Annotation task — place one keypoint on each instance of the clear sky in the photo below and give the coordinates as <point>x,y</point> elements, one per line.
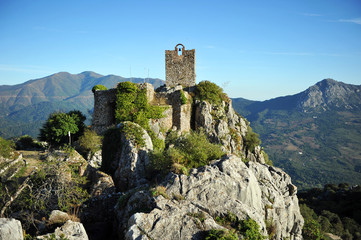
<point>254,49</point>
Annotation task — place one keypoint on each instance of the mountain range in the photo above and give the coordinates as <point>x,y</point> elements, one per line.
<point>24,107</point>
<point>314,135</point>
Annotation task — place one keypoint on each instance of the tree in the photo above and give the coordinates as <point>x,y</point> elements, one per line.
<point>6,147</point>
<point>55,130</point>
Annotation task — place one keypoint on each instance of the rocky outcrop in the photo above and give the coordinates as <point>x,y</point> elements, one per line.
<point>131,160</point>
<point>10,229</point>
<point>223,126</point>
<point>70,230</point>
<point>255,191</point>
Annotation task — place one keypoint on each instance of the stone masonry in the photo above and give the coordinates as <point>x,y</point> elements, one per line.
<point>104,110</point>
<point>176,115</point>
<point>180,67</point>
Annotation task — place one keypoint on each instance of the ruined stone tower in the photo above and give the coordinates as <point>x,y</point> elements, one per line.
<point>180,67</point>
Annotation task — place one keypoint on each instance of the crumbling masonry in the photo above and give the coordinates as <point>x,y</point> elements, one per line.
<point>180,72</point>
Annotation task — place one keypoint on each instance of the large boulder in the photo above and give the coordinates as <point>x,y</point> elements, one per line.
<point>10,229</point>
<point>257,191</point>
<point>70,230</point>
<point>57,216</point>
<point>132,160</point>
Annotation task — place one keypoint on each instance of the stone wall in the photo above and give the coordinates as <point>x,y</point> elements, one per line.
<point>104,110</point>
<point>180,68</point>
<point>176,115</point>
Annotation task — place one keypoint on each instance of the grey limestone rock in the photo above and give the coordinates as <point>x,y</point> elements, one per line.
<point>57,216</point>
<point>10,229</point>
<point>131,161</point>
<point>70,230</point>
<point>223,126</point>
<point>251,190</point>
<point>96,159</point>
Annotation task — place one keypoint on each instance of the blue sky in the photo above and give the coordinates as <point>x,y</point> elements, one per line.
<point>254,49</point>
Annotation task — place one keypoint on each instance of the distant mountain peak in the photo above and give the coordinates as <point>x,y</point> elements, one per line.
<point>328,94</point>
<point>91,74</point>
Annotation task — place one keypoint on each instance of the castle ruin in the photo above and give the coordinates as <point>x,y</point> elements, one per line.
<point>180,73</point>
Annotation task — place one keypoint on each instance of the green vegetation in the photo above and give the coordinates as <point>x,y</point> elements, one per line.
<point>248,228</point>
<point>210,92</point>
<point>132,105</point>
<point>215,234</point>
<point>6,147</point>
<point>334,209</point>
<point>99,87</point>
<point>90,142</point>
<point>183,98</point>
<point>185,152</point>
<point>55,130</point>
<point>159,190</point>
<point>251,140</point>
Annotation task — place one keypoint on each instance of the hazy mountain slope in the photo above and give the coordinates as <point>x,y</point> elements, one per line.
<point>24,107</point>
<point>315,135</point>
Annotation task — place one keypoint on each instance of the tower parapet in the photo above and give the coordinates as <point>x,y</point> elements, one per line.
<point>180,67</point>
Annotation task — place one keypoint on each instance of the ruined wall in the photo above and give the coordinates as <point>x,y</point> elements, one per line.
<point>176,114</point>
<point>104,110</point>
<point>180,68</point>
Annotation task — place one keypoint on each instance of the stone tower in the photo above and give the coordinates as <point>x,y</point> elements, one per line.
<point>180,67</point>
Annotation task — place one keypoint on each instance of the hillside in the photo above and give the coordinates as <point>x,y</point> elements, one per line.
<point>24,107</point>
<point>314,135</point>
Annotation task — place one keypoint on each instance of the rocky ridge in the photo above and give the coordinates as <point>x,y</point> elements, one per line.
<point>257,191</point>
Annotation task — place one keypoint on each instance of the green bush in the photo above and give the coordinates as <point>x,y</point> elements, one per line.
<point>215,234</point>
<point>99,87</point>
<point>248,228</point>
<point>312,230</point>
<point>251,139</point>
<point>183,98</point>
<point>90,141</point>
<point>6,147</point>
<point>210,92</point>
<point>187,151</point>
